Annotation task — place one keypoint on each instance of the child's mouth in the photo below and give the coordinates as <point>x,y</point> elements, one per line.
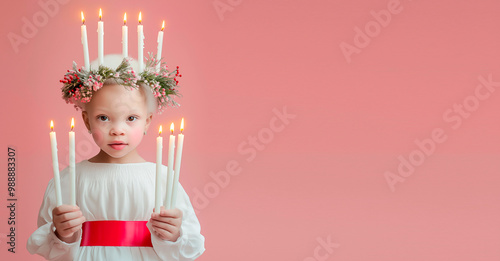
<point>118,145</point>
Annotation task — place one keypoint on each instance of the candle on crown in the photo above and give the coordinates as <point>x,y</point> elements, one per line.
<point>140,44</point>
<point>85,44</point>
<point>100,40</point>
<point>170,174</point>
<point>125,37</point>
<point>160,43</point>
<point>55,164</point>
<point>72,163</point>
<point>158,190</point>
<point>178,156</point>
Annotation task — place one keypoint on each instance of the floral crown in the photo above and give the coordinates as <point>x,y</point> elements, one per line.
<point>79,84</point>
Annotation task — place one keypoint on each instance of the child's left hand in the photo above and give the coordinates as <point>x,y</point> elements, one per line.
<point>167,223</point>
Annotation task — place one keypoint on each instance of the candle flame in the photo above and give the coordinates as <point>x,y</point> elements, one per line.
<point>140,17</point>
<point>172,128</point>
<point>100,14</point>
<point>163,25</point>
<point>182,125</point>
<point>72,123</point>
<point>51,125</point>
<point>83,18</point>
<point>125,19</point>
<point>159,132</point>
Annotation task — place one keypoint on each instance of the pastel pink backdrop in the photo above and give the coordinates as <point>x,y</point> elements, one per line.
<point>322,176</point>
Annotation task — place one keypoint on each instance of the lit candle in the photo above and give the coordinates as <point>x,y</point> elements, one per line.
<point>125,37</point>
<point>170,175</point>
<point>178,156</point>
<point>100,40</point>
<point>159,148</point>
<point>140,36</point>
<point>72,162</point>
<point>160,43</point>
<point>55,163</point>
<point>85,44</point>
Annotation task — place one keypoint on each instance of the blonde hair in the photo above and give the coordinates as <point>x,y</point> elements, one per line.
<point>151,101</point>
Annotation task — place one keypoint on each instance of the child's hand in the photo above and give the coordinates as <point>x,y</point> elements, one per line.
<point>67,219</point>
<point>167,224</point>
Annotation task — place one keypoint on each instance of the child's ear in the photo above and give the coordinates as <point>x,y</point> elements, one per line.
<point>85,118</point>
<point>148,120</point>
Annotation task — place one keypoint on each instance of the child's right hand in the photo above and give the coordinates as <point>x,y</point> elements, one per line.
<point>67,219</point>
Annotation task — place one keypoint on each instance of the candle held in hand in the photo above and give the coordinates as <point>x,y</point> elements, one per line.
<point>55,164</point>
<point>178,156</point>
<point>170,175</point>
<point>159,148</point>
<point>72,163</point>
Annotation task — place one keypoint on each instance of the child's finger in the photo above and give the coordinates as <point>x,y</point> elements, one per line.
<point>173,213</point>
<point>165,220</point>
<point>72,223</point>
<point>163,234</point>
<point>69,232</point>
<point>68,216</point>
<point>64,209</point>
<point>163,226</point>
<point>172,221</point>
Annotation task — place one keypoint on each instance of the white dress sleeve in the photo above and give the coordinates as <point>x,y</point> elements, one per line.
<point>190,244</point>
<point>43,241</point>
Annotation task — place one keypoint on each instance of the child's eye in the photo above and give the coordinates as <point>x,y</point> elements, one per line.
<point>102,118</point>
<point>132,118</point>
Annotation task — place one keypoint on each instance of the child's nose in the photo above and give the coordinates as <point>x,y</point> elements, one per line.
<point>117,130</point>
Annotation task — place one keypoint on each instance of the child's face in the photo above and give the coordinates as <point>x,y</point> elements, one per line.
<point>118,118</point>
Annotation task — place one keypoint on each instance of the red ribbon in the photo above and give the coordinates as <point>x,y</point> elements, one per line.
<point>116,233</point>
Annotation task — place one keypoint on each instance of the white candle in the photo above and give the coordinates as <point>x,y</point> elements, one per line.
<point>159,148</point>
<point>125,37</point>
<point>140,36</point>
<point>85,44</point>
<point>160,43</point>
<point>100,40</point>
<point>170,175</point>
<point>55,164</point>
<point>178,156</point>
<point>72,162</point>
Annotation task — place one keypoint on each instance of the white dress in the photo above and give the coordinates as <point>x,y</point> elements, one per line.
<point>109,191</point>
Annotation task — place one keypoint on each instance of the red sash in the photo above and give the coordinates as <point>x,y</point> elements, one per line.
<point>116,233</point>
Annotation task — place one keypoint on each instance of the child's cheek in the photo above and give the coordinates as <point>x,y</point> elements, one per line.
<point>97,135</point>
<point>136,136</point>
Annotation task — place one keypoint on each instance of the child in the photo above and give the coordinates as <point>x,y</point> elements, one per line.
<point>114,218</point>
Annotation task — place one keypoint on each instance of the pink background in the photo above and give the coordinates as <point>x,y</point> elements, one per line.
<point>322,176</point>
